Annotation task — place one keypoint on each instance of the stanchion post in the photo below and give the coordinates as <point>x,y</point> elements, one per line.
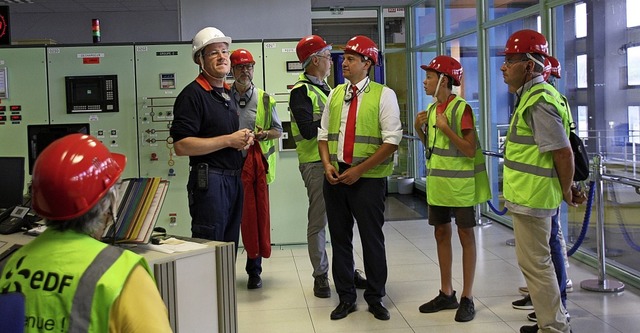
<point>482,221</point>
<point>601,284</point>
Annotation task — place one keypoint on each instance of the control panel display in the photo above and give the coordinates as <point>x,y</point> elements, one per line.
<point>97,93</point>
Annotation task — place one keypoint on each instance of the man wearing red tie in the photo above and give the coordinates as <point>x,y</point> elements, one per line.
<point>359,132</point>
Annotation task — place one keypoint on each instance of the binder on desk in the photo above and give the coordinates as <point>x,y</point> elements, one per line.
<point>138,206</point>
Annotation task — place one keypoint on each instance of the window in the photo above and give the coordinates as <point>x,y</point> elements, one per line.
<point>633,66</point>
<point>459,16</point>
<point>633,19</point>
<point>581,71</point>
<point>581,20</point>
<point>394,27</point>
<point>425,18</point>
<point>465,50</point>
<point>499,8</point>
<point>422,58</point>
<point>583,121</point>
<point>633,116</point>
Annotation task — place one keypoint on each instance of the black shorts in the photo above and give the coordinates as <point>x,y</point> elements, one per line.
<point>465,216</point>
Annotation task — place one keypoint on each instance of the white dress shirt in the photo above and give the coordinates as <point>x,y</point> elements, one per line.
<point>389,113</point>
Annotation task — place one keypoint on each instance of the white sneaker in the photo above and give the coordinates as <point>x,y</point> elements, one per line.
<point>569,286</point>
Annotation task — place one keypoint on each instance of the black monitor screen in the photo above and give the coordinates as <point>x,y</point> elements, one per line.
<point>40,136</point>
<point>12,181</point>
<point>87,91</point>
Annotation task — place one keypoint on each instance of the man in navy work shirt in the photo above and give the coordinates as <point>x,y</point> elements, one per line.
<point>205,128</point>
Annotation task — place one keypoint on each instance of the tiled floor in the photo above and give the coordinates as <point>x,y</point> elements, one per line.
<point>286,302</point>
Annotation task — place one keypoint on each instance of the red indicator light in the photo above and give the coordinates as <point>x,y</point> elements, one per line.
<point>91,61</point>
<point>16,117</point>
<point>15,107</point>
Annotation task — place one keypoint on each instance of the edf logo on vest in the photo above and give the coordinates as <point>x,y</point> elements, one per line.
<point>47,281</point>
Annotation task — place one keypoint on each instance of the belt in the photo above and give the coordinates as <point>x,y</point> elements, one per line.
<point>225,172</point>
<point>343,166</point>
<point>218,171</point>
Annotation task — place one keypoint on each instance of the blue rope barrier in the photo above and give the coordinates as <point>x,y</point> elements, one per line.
<point>585,222</point>
<point>495,210</point>
<point>623,228</point>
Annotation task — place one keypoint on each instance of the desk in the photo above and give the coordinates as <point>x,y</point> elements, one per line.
<point>194,284</point>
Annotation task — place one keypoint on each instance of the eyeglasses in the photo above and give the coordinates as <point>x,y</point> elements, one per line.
<point>510,62</point>
<point>217,53</point>
<point>323,56</point>
<point>242,67</point>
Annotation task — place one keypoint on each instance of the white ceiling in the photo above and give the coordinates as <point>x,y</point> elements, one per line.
<point>65,6</point>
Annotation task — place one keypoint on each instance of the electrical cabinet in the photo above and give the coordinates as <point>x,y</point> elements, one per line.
<point>25,101</point>
<point>162,71</point>
<point>287,194</point>
<point>117,130</point>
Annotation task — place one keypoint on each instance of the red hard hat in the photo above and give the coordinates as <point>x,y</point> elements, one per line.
<point>309,45</point>
<point>364,46</point>
<point>241,56</point>
<point>555,67</point>
<point>546,70</point>
<point>527,41</point>
<point>446,65</point>
<point>71,175</point>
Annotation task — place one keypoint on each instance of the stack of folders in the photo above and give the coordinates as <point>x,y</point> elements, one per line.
<point>139,203</point>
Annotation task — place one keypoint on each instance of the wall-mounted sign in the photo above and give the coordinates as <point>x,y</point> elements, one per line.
<point>5,31</point>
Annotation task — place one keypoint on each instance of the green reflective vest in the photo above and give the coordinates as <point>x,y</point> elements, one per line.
<point>266,104</point>
<point>453,179</point>
<point>308,149</point>
<point>368,134</point>
<point>69,280</point>
<point>530,178</point>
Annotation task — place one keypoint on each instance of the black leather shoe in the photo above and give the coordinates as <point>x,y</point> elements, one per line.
<point>529,329</point>
<point>342,310</point>
<point>379,311</point>
<point>254,282</point>
<point>321,286</point>
<point>359,280</point>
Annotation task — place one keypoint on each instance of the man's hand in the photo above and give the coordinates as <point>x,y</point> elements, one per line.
<point>349,176</point>
<point>242,139</point>
<point>331,174</point>
<point>578,195</point>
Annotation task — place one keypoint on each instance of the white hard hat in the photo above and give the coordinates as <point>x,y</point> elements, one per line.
<point>206,36</point>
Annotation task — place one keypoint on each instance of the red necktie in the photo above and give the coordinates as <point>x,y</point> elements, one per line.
<point>350,130</point>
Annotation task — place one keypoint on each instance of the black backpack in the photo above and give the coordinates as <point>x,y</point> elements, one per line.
<point>580,156</point>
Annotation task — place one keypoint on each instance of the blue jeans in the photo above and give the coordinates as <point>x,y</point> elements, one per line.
<point>558,259</point>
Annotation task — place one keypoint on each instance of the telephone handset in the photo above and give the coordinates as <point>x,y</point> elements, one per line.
<point>13,219</point>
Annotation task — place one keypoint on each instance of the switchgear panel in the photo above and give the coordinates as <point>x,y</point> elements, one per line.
<point>91,66</point>
<point>25,77</point>
<point>162,71</point>
<point>288,186</point>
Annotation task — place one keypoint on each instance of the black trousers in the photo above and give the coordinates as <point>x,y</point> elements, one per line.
<point>364,202</point>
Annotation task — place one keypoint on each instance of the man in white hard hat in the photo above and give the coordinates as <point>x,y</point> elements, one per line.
<point>205,128</point>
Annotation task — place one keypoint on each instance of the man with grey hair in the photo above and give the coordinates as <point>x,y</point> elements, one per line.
<point>71,281</point>
<point>306,102</point>
<point>538,172</point>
